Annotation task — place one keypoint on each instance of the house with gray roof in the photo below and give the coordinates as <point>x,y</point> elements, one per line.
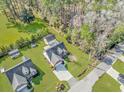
<point>19,83</point>
<point>14,53</point>
<point>20,76</point>
<point>56,53</point>
<point>50,40</point>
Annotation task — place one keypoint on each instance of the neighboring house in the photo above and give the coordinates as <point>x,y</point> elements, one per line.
<point>50,40</point>
<point>14,53</point>
<point>19,83</point>
<point>55,54</point>
<point>121,78</point>
<point>20,76</point>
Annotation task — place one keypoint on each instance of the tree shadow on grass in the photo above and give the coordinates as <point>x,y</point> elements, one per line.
<point>25,48</point>
<point>28,28</point>
<point>37,79</point>
<point>2,59</point>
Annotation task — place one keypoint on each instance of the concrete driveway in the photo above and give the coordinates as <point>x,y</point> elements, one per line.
<point>62,73</point>
<point>86,84</point>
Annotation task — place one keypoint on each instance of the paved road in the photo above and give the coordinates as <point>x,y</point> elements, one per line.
<point>86,84</point>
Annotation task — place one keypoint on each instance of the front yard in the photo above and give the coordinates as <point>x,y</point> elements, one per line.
<point>119,66</point>
<point>106,84</point>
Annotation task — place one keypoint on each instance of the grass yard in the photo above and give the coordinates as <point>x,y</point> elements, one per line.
<point>47,82</point>
<point>13,33</point>
<point>9,34</point>
<point>82,58</point>
<point>106,84</point>
<point>119,66</point>
<point>4,84</point>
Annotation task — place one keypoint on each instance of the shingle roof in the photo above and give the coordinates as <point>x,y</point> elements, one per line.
<point>33,71</point>
<point>18,81</point>
<point>54,48</point>
<point>25,70</point>
<point>18,69</point>
<point>55,58</point>
<point>59,51</point>
<point>49,37</point>
<point>13,52</point>
<point>55,52</point>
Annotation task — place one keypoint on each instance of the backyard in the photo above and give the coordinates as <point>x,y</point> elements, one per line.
<point>47,81</point>
<point>119,66</point>
<point>8,34</point>
<point>106,84</point>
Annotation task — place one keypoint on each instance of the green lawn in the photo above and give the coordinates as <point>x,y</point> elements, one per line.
<point>48,80</point>
<point>106,84</point>
<point>119,66</point>
<point>4,84</point>
<point>9,34</point>
<point>82,58</point>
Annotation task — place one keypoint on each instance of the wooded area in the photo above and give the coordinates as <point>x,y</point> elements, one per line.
<point>90,24</point>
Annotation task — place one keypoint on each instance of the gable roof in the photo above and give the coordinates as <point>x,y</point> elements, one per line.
<point>59,50</point>
<point>55,58</point>
<point>13,52</point>
<point>25,70</point>
<point>54,48</point>
<point>54,52</point>
<point>18,81</point>
<point>49,37</point>
<point>33,71</point>
<point>18,69</point>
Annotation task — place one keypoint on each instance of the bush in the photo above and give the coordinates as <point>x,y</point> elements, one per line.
<point>62,86</point>
<point>115,39</point>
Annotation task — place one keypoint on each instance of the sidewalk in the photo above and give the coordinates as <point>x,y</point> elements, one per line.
<point>121,58</point>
